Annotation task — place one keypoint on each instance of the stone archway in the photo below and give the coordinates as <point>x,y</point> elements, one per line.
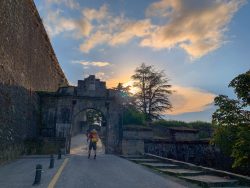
<point>109,110</point>
<point>82,124</point>
<point>90,93</point>
<point>60,109</point>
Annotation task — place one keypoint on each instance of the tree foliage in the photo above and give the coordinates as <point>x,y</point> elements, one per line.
<point>94,116</point>
<point>241,84</point>
<point>132,116</point>
<point>153,93</point>
<point>232,122</point>
<point>125,97</point>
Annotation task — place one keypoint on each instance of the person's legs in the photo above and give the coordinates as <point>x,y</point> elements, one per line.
<point>89,153</point>
<point>94,147</point>
<point>90,148</point>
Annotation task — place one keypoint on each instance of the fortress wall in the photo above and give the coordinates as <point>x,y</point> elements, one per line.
<point>27,64</point>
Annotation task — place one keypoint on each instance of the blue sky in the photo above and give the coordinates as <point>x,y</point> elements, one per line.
<point>201,45</point>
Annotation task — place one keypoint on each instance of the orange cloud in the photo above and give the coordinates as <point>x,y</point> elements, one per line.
<point>95,39</point>
<point>130,30</point>
<point>184,99</point>
<point>198,29</point>
<point>93,14</point>
<point>189,99</point>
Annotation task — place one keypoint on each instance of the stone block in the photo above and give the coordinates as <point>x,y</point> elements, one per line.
<point>131,147</point>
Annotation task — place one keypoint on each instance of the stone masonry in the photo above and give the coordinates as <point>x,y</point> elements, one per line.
<point>62,111</point>
<point>27,64</point>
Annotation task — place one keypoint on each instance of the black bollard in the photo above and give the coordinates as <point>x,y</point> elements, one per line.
<point>59,154</point>
<point>38,174</point>
<point>52,161</point>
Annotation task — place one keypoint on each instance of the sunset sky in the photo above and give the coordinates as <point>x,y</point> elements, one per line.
<point>201,44</point>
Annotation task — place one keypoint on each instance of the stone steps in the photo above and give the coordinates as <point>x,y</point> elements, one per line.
<point>141,160</point>
<point>200,177</point>
<point>160,165</point>
<point>181,172</point>
<point>132,156</point>
<point>211,181</point>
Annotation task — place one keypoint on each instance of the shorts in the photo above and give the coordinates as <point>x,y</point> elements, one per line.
<point>92,145</point>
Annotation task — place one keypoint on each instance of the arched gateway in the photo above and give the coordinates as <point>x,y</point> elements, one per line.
<point>63,112</point>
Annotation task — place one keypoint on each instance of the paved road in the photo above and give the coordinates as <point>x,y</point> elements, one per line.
<point>107,171</point>
<point>21,173</point>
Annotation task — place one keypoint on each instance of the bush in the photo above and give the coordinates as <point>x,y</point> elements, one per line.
<point>133,116</point>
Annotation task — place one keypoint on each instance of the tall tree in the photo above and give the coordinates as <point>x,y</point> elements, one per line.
<point>232,122</point>
<point>153,93</point>
<point>125,97</point>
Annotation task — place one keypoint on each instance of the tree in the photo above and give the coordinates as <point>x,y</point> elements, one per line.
<point>242,87</point>
<point>125,97</point>
<point>133,117</point>
<point>94,116</point>
<point>130,115</point>
<point>153,93</point>
<point>232,122</point>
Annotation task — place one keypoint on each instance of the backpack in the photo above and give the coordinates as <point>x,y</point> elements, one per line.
<point>94,138</point>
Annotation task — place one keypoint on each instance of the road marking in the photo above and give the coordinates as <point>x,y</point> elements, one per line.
<point>58,173</point>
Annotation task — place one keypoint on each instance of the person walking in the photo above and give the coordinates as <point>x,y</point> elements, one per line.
<point>92,138</point>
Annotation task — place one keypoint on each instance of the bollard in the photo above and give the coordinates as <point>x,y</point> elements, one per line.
<point>38,174</point>
<point>59,154</point>
<point>52,161</point>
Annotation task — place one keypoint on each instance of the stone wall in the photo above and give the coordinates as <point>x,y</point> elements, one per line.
<point>198,152</point>
<point>185,136</point>
<point>63,112</point>
<point>133,139</point>
<point>91,87</point>
<point>27,64</point>
<point>27,58</point>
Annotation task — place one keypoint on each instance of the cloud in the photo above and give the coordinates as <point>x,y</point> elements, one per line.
<point>93,63</point>
<point>95,39</point>
<point>196,26</point>
<point>55,24</point>
<point>95,14</point>
<point>84,27</point>
<point>69,3</point>
<point>184,99</point>
<point>114,30</point>
<point>131,29</point>
<point>189,99</point>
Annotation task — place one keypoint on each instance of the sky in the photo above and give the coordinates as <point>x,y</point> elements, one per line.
<point>201,45</point>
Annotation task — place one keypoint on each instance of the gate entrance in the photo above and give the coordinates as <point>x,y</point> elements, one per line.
<point>66,112</point>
